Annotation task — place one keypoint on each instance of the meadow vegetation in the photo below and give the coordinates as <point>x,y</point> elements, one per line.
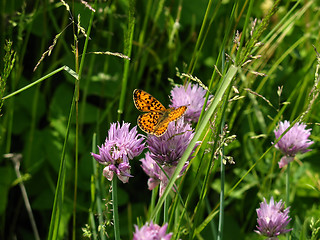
<point>68,72</point>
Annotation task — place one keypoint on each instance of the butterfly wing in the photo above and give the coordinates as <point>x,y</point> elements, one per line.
<point>145,102</point>
<point>157,118</point>
<point>177,113</point>
<point>148,121</point>
<point>162,128</point>
<point>171,114</point>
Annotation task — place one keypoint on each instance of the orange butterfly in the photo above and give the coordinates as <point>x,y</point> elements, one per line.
<point>156,118</point>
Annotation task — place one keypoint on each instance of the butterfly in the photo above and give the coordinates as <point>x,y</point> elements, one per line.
<point>156,118</point>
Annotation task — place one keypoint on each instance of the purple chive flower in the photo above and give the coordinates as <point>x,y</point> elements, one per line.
<point>151,232</point>
<point>294,141</point>
<point>151,168</point>
<point>272,219</point>
<point>156,175</point>
<point>169,148</point>
<point>192,96</point>
<point>121,145</point>
<point>166,151</point>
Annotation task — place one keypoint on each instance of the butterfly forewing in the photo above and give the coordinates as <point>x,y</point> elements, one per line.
<point>171,114</point>
<point>177,113</point>
<point>145,102</point>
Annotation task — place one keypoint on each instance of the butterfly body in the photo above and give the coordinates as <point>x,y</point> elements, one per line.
<point>156,118</point>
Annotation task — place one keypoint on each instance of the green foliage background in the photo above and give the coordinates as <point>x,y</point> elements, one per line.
<point>166,36</point>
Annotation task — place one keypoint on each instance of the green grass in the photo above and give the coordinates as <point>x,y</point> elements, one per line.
<point>55,115</point>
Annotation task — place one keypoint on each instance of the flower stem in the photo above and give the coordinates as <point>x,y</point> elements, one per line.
<point>153,199</point>
<point>288,189</point>
<point>221,211</point>
<point>115,209</point>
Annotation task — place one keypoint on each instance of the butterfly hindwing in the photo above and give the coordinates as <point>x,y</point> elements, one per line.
<point>148,121</point>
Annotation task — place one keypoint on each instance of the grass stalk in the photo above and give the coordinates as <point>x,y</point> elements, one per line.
<point>127,52</point>
<point>76,160</point>
<point>203,191</point>
<point>222,174</point>
<point>165,210</point>
<point>39,81</point>
<point>221,57</point>
<point>59,194</point>
<point>77,87</point>
<point>16,158</point>
<point>201,38</point>
<point>221,210</point>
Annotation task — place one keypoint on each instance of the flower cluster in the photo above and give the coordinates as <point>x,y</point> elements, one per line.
<point>272,219</point>
<point>156,174</point>
<point>192,96</point>
<point>151,232</point>
<point>294,141</point>
<point>169,148</point>
<point>166,151</point>
<point>121,145</point>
